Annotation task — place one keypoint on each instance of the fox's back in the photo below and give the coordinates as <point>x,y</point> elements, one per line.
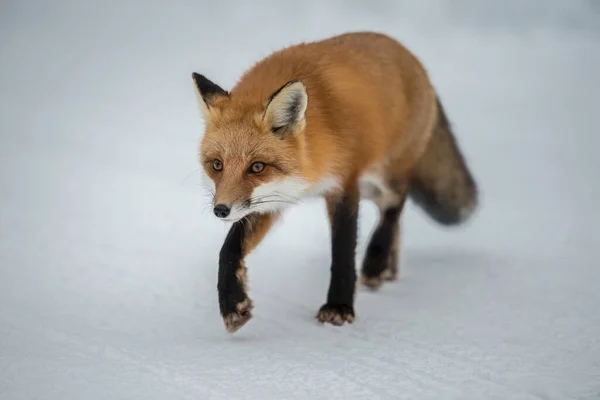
<point>362,88</point>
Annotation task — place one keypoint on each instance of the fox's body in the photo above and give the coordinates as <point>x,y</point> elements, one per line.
<point>347,117</point>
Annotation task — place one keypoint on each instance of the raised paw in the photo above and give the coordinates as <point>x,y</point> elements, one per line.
<point>238,318</point>
<point>336,314</point>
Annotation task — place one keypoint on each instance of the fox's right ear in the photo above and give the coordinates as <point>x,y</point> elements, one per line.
<point>207,91</point>
<point>286,107</point>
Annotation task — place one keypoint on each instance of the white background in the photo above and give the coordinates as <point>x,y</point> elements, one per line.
<point>108,251</point>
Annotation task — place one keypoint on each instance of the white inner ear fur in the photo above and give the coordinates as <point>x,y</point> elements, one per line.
<point>288,106</point>
<point>203,107</point>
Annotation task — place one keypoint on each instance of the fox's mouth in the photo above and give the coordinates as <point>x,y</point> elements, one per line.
<point>236,213</point>
<point>255,205</point>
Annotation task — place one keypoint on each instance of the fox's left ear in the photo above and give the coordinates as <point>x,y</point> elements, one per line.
<point>286,108</point>
<point>207,91</point>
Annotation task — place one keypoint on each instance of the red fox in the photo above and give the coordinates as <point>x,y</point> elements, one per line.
<point>346,118</point>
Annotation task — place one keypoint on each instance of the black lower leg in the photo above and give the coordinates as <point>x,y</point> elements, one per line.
<point>377,257</point>
<point>343,214</point>
<point>243,237</point>
<point>234,303</point>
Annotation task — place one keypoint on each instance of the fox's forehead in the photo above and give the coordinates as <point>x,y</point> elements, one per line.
<point>240,134</point>
<point>231,122</point>
<point>237,112</point>
<point>240,150</point>
<point>238,141</point>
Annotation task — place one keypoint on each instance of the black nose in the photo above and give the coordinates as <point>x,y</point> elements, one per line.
<point>221,210</point>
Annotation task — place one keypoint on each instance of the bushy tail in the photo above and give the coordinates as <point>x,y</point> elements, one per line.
<point>442,183</point>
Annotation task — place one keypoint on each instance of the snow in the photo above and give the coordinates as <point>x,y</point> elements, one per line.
<point>108,251</point>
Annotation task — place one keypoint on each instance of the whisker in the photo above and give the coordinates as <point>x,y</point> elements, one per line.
<point>258,198</point>
<point>290,196</point>
<point>190,174</point>
<point>208,192</point>
<point>272,201</point>
<point>272,197</point>
<point>248,223</point>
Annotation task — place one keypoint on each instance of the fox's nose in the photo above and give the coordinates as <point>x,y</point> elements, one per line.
<point>221,210</point>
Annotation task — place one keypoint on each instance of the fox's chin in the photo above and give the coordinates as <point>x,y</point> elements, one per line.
<point>233,219</point>
<point>229,219</point>
<point>237,215</point>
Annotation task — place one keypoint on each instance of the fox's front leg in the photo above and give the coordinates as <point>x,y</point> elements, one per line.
<point>243,237</point>
<point>343,216</point>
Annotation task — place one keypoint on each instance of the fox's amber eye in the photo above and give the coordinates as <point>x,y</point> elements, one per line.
<point>217,165</point>
<point>257,167</point>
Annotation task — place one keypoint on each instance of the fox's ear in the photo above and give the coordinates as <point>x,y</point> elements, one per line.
<point>207,90</point>
<point>285,109</point>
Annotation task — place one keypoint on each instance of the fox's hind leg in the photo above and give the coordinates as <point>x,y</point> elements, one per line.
<point>382,258</point>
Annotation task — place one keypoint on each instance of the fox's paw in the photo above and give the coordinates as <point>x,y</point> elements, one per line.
<point>235,320</point>
<point>375,282</point>
<point>390,274</point>
<point>336,314</point>
<point>377,269</point>
<point>371,282</point>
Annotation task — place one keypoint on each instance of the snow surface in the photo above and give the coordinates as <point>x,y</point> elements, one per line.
<point>108,253</point>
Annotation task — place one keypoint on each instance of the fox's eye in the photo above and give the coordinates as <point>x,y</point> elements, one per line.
<point>217,165</point>
<point>257,167</point>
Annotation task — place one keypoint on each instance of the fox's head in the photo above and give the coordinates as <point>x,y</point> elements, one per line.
<point>252,148</point>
